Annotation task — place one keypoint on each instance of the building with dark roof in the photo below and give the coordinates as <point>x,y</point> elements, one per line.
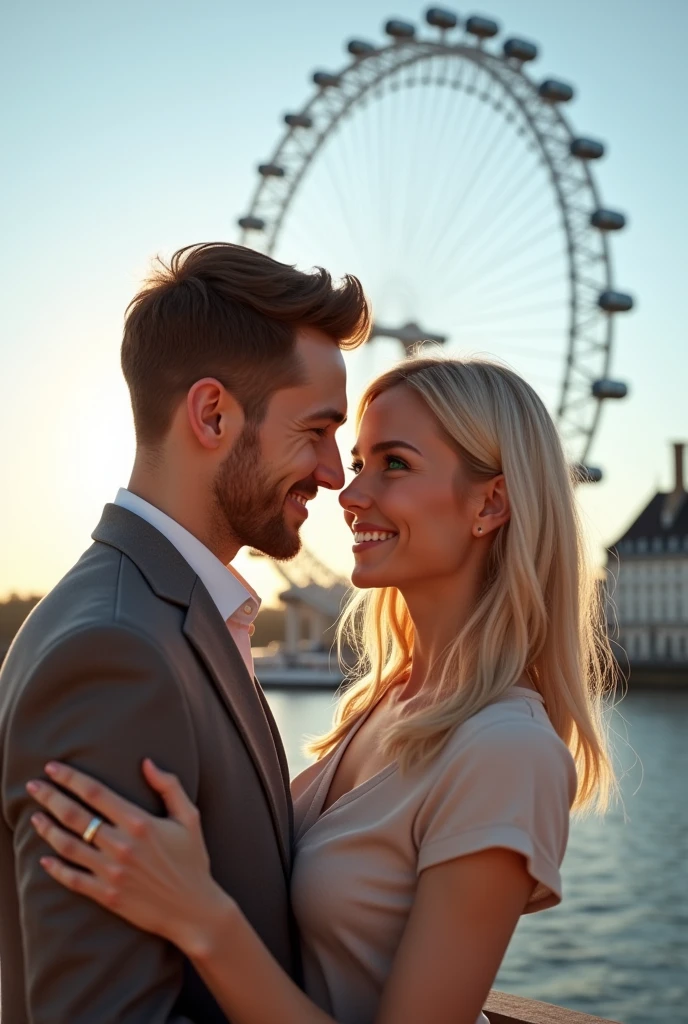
<point>647,580</point>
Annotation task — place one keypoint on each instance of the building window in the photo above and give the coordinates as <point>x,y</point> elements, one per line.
<point>657,544</point>
<point>641,544</point>
<point>685,543</point>
<point>630,645</point>
<point>672,544</point>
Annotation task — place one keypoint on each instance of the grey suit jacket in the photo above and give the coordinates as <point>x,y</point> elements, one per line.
<point>128,657</point>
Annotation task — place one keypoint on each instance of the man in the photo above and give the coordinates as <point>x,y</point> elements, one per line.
<point>237,383</point>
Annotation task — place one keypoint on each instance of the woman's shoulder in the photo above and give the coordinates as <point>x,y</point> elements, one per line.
<point>509,735</point>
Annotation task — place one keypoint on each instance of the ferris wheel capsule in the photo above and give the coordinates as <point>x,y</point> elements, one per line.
<point>400,29</point>
<point>555,91</point>
<point>359,48</point>
<point>607,220</point>
<point>586,474</point>
<point>298,120</point>
<point>441,18</point>
<point>271,170</point>
<point>586,149</point>
<point>251,223</point>
<point>606,388</point>
<point>484,28</point>
<point>520,49</point>
<point>325,79</point>
<point>615,302</point>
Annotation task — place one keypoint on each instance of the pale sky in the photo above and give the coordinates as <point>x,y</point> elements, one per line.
<point>135,128</point>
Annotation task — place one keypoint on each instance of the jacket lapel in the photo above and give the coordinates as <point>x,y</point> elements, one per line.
<point>171,577</point>
<point>210,637</point>
<point>282,757</point>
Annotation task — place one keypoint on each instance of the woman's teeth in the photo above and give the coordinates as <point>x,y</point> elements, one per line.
<point>376,535</point>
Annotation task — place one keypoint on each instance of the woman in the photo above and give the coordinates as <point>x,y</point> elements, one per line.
<point>437,811</point>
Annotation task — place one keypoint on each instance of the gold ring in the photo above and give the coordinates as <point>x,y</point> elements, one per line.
<point>91,829</point>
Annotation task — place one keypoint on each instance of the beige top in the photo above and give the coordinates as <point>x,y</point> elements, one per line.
<point>503,779</point>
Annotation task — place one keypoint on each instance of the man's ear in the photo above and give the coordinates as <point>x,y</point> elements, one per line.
<point>215,416</point>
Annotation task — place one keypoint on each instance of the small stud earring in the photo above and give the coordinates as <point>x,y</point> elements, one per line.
<point>480,529</point>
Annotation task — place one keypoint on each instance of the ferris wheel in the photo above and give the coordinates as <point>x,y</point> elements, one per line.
<point>436,168</point>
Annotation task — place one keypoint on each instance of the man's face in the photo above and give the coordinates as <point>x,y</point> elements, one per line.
<point>274,469</point>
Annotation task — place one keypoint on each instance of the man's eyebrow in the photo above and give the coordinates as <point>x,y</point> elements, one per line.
<point>334,415</point>
<point>384,446</point>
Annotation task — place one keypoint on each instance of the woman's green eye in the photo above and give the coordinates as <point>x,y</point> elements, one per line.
<point>394,463</point>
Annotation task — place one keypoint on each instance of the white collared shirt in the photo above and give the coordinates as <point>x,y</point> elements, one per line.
<point>236,601</point>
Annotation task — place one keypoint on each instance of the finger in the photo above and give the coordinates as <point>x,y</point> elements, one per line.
<point>66,843</point>
<point>71,814</point>
<point>80,881</point>
<point>108,804</point>
<point>178,805</point>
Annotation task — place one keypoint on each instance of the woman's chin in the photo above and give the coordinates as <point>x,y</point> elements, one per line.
<point>365,578</point>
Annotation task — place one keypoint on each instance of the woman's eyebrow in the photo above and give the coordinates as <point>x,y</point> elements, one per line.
<point>384,446</point>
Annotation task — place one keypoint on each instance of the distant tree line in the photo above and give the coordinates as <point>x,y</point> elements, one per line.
<point>13,611</point>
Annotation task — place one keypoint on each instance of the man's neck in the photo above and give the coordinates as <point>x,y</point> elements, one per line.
<point>183,507</point>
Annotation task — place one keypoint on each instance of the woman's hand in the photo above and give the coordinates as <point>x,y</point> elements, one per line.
<point>154,872</point>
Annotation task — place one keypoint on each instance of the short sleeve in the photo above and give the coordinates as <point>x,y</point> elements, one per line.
<point>510,785</point>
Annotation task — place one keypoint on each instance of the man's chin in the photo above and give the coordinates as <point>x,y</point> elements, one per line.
<point>283,548</point>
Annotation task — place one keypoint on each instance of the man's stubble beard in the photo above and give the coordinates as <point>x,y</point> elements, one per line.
<point>249,504</point>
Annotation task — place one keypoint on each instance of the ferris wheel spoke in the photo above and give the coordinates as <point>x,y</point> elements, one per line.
<point>464,181</point>
<point>497,193</point>
<point>415,219</point>
<point>494,241</point>
<point>531,204</point>
<point>525,350</point>
<point>417,120</point>
<point>437,214</point>
<point>488,155</point>
<point>448,114</point>
<point>496,315</point>
<point>522,275</point>
<point>499,237</point>
<point>509,290</point>
<point>543,235</point>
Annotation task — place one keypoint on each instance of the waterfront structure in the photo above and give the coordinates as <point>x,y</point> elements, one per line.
<point>647,582</point>
<point>312,603</point>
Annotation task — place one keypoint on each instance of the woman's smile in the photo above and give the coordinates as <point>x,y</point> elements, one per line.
<point>368,536</point>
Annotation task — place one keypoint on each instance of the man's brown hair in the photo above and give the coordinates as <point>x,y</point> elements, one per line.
<point>225,311</point>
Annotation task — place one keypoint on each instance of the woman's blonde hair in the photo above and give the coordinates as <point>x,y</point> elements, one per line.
<point>539,612</point>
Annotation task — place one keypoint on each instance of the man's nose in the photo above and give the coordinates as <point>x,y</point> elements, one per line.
<point>330,472</point>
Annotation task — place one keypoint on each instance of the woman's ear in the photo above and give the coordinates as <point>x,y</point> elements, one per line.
<point>215,416</point>
<point>496,509</point>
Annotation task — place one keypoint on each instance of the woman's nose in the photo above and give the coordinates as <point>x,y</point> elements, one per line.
<point>354,497</point>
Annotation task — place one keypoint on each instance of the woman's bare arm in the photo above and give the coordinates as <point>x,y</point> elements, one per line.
<point>463,916</point>
<point>155,873</point>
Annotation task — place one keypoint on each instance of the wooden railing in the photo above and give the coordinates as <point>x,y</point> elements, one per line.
<point>502,1008</point>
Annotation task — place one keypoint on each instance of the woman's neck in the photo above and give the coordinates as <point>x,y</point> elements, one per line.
<point>438,612</point>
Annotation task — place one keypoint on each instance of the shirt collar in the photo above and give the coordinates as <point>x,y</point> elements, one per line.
<point>231,594</point>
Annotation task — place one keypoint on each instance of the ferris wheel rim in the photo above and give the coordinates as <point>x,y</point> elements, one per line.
<point>507,73</point>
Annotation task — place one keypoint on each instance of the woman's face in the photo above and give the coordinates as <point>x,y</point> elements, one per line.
<point>411,506</point>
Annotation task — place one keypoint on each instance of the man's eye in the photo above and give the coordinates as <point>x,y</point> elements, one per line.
<point>319,431</point>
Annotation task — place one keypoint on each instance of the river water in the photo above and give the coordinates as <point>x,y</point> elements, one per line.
<point>617,945</point>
